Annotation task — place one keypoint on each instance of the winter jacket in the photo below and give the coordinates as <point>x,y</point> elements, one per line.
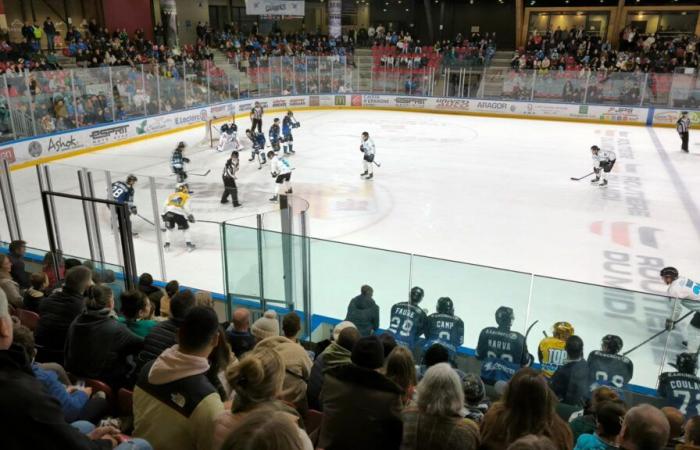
<point>17,272</point>
<point>297,369</point>
<point>582,425</point>
<point>592,442</point>
<point>494,431</point>
<point>364,313</point>
<point>426,432</point>
<point>333,356</point>
<point>240,342</point>
<point>56,312</point>
<point>175,404</point>
<point>570,382</point>
<point>31,418</point>
<point>139,327</point>
<point>11,289</point>
<point>98,345</point>
<point>161,337</point>
<point>71,403</point>
<point>31,300</point>
<point>361,410</point>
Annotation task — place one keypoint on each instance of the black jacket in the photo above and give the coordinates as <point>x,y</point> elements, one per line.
<point>154,294</point>
<point>570,382</point>
<point>240,342</point>
<point>97,347</point>
<point>364,313</point>
<point>57,312</point>
<point>31,418</point>
<point>162,336</point>
<point>18,273</point>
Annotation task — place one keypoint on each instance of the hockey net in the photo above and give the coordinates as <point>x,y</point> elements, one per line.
<point>212,130</point>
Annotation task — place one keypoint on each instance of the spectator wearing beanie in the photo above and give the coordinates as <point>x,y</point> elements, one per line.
<point>361,407</point>
<point>436,421</point>
<point>321,346</point>
<point>238,334</point>
<point>266,326</point>
<point>475,400</point>
<point>364,312</point>
<point>336,354</point>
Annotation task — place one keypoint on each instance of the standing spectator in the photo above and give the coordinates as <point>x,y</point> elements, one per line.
<point>238,333</point>
<point>59,309</point>
<point>570,381</point>
<point>32,297</point>
<point>98,345</point>
<point>266,326</point>
<point>644,428</point>
<point>50,31</point>
<point>338,353</point>
<point>436,420</point>
<point>692,435</point>
<point>136,312</point>
<point>364,312</point>
<point>7,284</point>
<point>401,369</point>
<point>174,403</point>
<point>361,407</point>
<point>527,407</point>
<point>683,128</point>
<point>608,425</point>
<point>17,251</point>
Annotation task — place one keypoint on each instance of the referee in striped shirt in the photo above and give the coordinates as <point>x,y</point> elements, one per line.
<point>683,126</point>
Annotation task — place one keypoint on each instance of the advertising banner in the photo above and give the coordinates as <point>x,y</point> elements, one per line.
<point>274,7</point>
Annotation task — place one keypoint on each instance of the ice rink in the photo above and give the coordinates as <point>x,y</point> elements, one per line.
<point>493,192</point>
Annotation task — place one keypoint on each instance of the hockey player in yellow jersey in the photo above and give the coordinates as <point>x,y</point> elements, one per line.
<point>176,211</point>
<point>551,351</point>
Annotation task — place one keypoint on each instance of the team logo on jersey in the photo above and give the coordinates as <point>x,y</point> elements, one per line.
<point>35,149</point>
<point>622,233</point>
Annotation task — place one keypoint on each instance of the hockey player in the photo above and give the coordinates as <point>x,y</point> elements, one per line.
<point>683,129</point>
<point>367,147</point>
<point>501,351</point>
<point>444,327</point>
<point>408,320</point>
<point>176,211</point>
<point>606,367</point>
<point>256,117</point>
<point>281,171</point>
<point>178,161</point>
<point>552,349</point>
<point>274,134</point>
<point>603,162</point>
<point>288,124</point>
<point>258,140</point>
<point>682,389</point>
<point>229,178</point>
<point>228,136</point>
<point>683,292</point>
<point>123,192</point>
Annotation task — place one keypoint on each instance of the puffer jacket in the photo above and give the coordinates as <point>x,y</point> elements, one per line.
<point>333,356</point>
<point>32,299</point>
<point>57,312</point>
<point>161,337</point>
<point>11,289</point>
<point>297,369</point>
<point>363,312</point>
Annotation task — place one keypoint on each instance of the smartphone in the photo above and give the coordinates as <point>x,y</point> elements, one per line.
<point>80,383</point>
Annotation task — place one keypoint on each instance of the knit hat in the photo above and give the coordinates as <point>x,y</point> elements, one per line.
<point>474,389</point>
<point>340,327</point>
<point>368,353</point>
<point>266,326</point>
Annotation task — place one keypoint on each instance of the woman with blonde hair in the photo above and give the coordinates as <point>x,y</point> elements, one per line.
<point>257,382</point>
<point>7,284</point>
<point>203,298</point>
<point>401,369</point>
<point>266,430</point>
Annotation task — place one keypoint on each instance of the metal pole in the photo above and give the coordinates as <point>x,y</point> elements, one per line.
<point>158,87</point>
<point>86,216</point>
<point>261,277</point>
<point>156,221</point>
<point>128,247</point>
<point>13,200</point>
<point>534,80</point>
<point>143,98</point>
<point>206,64</point>
<point>7,203</point>
<point>644,89</point>
<point>75,99</point>
<point>31,101</point>
<point>111,94</point>
<point>113,218</point>
<point>306,75</point>
<point>96,223</point>
<point>224,265</point>
<point>269,70</point>
<point>9,107</point>
<point>52,205</point>
<point>306,275</point>
<point>184,82</point>
<point>51,225</point>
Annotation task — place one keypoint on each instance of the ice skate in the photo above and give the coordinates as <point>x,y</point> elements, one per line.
<point>190,247</point>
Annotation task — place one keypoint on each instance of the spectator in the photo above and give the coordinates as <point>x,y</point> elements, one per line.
<point>570,381</point>
<point>361,406</point>
<point>527,407</point>
<point>154,293</point>
<point>35,418</point>
<point>692,435</point>
<point>109,279</point>
<point>322,345</point>
<point>584,422</point>
<point>203,298</point>
<point>53,274</point>
<point>238,333</point>
<point>266,326</point>
<point>136,311</point>
<point>171,289</point>
<point>17,250</point>
<point>475,400</point>
<point>7,284</point>
<point>336,354</point>
<point>675,420</point>
<point>609,416</point>
<point>39,282</point>
<point>436,420</point>
<point>98,345</point>
<point>644,428</point>
<point>532,442</point>
<point>164,335</point>
<point>267,430</point>
<point>59,309</point>
<point>291,326</point>
<point>50,31</point>
<point>364,312</point>
<point>401,369</point>
<point>388,343</point>
<point>436,354</point>
<point>257,384</point>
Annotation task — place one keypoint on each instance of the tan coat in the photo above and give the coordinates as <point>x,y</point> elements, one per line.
<point>297,364</point>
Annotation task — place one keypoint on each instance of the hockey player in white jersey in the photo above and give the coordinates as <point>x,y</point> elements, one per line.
<point>603,162</point>
<point>683,292</point>
<point>229,135</point>
<point>176,211</point>
<point>367,147</point>
<point>281,171</point>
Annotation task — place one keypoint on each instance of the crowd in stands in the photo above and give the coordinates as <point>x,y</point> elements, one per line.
<point>85,364</point>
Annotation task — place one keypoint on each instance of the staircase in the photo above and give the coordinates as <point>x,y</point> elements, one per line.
<point>495,74</point>
<point>363,69</point>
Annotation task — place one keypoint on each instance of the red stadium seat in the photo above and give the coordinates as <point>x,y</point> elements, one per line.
<point>125,402</point>
<point>28,318</point>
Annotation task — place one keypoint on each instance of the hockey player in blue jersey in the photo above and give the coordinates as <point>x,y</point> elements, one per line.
<point>258,140</point>
<point>123,192</point>
<point>501,351</point>
<point>606,367</point>
<point>444,327</point>
<point>274,134</point>
<point>682,389</point>
<point>178,161</point>
<point>288,124</point>
<point>408,320</point>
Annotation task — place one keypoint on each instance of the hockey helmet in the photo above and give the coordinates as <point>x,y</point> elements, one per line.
<point>445,306</point>
<point>669,272</point>
<point>562,330</point>
<point>290,113</point>
<point>416,295</point>
<point>131,178</point>
<point>505,316</point>
<point>182,187</point>
<point>365,135</point>
<point>686,363</point>
<point>595,148</point>
<point>234,154</point>
<point>276,120</point>
<point>181,145</point>
<point>612,344</point>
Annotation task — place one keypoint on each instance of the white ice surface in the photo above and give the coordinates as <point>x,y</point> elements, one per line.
<point>493,192</point>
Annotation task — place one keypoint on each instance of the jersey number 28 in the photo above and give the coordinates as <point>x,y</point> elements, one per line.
<point>117,191</point>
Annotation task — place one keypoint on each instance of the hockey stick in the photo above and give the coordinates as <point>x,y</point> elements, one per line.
<point>585,176</point>
<point>656,334</point>
<point>201,174</point>
<point>376,163</point>
<point>149,222</point>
